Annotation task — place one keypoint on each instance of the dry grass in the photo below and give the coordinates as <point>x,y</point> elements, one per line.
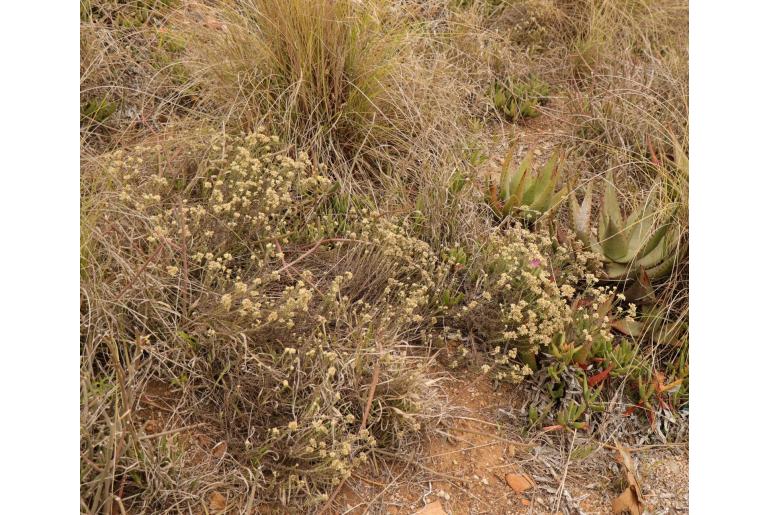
<point>332,77</point>
<point>630,61</point>
<point>258,313</point>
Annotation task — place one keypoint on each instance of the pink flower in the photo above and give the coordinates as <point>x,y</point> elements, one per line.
<point>535,263</point>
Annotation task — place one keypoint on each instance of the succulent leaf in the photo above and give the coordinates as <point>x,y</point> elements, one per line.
<point>526,187</point>
<point>581,213</point>
<point>655,238</point>
<point>611,208</point>
<point>614,243</point>
<point>664,268</point>
<point>640,225</point>
<point>655,256</point>
<point>544,182</point>
<point>530,193</point>
<point>617,271</point>
<point>518,179</point>
<point>506,176</point>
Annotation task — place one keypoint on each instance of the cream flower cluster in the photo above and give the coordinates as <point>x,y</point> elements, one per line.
<point>523,297</point>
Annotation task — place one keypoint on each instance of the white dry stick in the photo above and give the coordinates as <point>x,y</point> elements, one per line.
<point>564,475</point>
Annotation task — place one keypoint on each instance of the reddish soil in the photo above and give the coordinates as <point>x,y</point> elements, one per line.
<point>464,468</point>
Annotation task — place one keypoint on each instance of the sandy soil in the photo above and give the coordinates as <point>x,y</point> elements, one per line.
<point>463,471</point>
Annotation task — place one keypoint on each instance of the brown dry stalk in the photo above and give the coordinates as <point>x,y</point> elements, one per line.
<point>312,249</point>
<point>130,283</point>
<point>370,398</point>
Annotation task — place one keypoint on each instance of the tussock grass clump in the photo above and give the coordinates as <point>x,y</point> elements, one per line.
<point>332,77</point>
<point>213,271</point>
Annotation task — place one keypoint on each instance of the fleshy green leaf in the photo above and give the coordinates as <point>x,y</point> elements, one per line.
<point>663,269</point>
<point>611,209</point>
<point>616,271</point>
<point>656,255</point>
<point>581,213</point>
<point>613,241</point>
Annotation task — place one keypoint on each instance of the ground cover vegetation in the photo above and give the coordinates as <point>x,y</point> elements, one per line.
<point>293,212</point>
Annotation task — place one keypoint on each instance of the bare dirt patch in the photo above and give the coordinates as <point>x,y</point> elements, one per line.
<point>465,467</point>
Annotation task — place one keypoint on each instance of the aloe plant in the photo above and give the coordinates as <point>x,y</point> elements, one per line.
<point>525,193</point>
<point>628,246</point>
<point>519,99</point>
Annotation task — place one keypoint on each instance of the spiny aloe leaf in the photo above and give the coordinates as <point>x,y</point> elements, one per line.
<point>550,171</point>
<point>595,247</point>
<point>557,197</point>
<point>505,175</point>
<point>542,203</point>
<point>611,208</point>
<point>616,271</point>
<point>522,186</point>
<point>663,269</point>
<point>536,187</point>
<point>581,213</point>
<point>628,327</point>
<point>640,237</point>
<point>548,199</point>
<point>640,225</point>
<point>517,180</point>
<point>656,255</point>
<point>544,184</point>
<point>530,192</point>
<point>667,229</point>
<point>614,243</point>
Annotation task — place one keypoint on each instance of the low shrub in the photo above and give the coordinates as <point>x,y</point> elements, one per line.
<point>213,271</point>
<point>518,295</point>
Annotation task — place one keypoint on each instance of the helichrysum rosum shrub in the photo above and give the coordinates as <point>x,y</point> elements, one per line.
<point>213,267</point>
<point>520,297</point>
